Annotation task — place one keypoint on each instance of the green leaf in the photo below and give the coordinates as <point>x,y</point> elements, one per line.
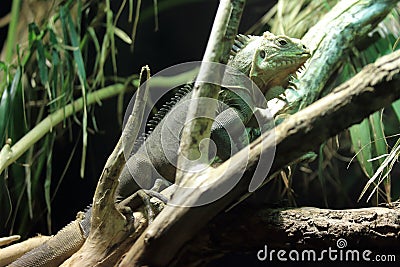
<point>33,33</point>
<point>6,104</point>
<point>396,108</point>
<point>76,52</point>
<point>96,43</point>
<point>361,140</point>
<point>82,78</point>
<point>381,146</point>
<point>321,176</point>
<point>396,44</point>
<point>43,71</point>
<point>122,35</point>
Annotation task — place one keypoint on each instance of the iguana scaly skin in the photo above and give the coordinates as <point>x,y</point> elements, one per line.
<point>268,60</point>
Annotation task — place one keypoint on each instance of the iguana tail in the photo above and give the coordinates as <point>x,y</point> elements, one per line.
<point>59,247</point>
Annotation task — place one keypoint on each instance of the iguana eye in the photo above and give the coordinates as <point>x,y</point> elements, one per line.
<point>262,54</point>
<point>282,42</point>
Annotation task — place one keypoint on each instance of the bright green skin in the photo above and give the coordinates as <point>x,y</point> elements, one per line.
<point>268,60</point>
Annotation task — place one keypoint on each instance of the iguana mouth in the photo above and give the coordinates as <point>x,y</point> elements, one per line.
<point>292,62</point>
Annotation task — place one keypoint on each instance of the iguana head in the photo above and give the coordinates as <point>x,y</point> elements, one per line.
<point>269,60</point>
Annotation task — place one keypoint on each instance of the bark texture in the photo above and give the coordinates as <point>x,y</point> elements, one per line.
<point>250,228</point>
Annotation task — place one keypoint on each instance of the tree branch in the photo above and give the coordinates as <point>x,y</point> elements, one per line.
<point>250,228</point>
<point>348,22</point>
<point>109,228</point>
<point>200,114</point>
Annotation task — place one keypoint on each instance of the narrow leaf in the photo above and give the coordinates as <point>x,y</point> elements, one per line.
<point>361,140</point>
<point>122,35</point>
<point>82,78</point>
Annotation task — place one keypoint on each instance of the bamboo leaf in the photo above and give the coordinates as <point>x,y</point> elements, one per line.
<point>76,51</point>
<point>396,108</point>
<point>122,35</point>
<point>43,72</point>
<point>155,4</point>
<point>110,33</point>
<point>82,78</point>
<point>396,44</point>
<point>6,104</point>
<point>321,176</point>
<point>381,148</point>
<point>378,134</point>
<point>96,43</point>
<point>57,74</point>
<point>389,162</point>
<point>361,140</point>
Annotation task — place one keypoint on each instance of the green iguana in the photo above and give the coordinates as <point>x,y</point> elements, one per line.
<point>268,60</point>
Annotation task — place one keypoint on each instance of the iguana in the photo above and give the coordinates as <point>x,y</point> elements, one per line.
<point>268,60</point>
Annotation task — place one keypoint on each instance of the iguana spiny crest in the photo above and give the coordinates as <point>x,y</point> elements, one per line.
<point>269,60</point>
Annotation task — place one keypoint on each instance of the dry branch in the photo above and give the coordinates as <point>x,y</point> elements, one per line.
<point>250,228</point>
<point>198,121</point>
<point>13,252</point>
<point>109,228</point>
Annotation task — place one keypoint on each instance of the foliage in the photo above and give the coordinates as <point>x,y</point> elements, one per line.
<point>48,80</point>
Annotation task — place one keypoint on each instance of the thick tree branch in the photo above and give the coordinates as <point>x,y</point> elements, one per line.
<point>348,22</point>
<point>250,228</point>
